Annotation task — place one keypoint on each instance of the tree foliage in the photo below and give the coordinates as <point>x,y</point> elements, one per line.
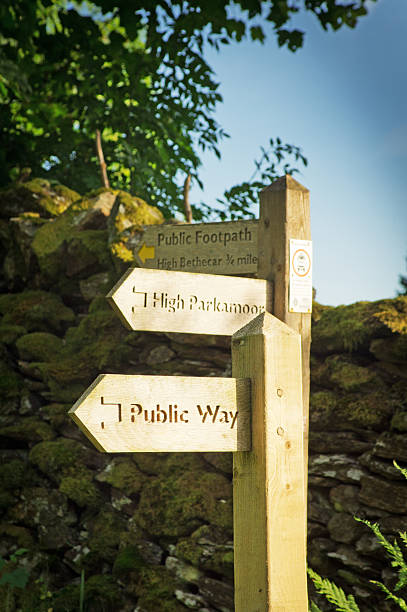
<point>403,283</point>
<point>137,72</point>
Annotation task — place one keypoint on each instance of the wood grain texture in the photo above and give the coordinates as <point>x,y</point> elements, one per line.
<point>268,486</point>
<point>161,300</point>
<point>125,413</point>
<point>284,215</point>
<point>228,247</point>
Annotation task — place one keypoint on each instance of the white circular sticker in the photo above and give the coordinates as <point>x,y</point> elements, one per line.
<point>301,262</point>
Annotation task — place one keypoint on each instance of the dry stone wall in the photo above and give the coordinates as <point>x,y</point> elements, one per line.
<point>153,532</point>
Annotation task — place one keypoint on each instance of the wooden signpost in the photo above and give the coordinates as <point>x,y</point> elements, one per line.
<point>269,501</point>
<point>159,300</point>
<point>261,414</point>
<point>285,216</point>
<point>120,413</point>
<point>213,248</point>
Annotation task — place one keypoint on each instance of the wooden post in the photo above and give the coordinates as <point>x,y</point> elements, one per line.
<point>268,485</point>
<point>285,215</point>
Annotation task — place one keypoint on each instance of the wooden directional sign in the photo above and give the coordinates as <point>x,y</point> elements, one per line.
<point>121,413</point>
<point>158,300</point>
<point>214,248</point>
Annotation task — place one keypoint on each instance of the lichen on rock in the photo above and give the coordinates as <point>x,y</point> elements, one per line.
<point>38,196</point>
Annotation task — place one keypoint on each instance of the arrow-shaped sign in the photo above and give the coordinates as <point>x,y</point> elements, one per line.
<point>227,247</point>
<point>158,300</point>
<point>146,252</point>
<point>121,413</point>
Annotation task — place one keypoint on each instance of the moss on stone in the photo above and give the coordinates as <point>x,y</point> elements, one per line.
<point>48,245</point>
<point>99,304</point>
<point>11,383</point>
<point>20,535</point>
<point>134,211</point>
<point>323,405</point>
<point>156,591</point>
<point>38,196</point>
<point>208,548</point>
<point>62,248</point>
<point>390,349</point>
<point>128,217</point>
<point>122,473</point>
<point>105,536</point>
<point>399,421</point>
<point>369,410</point>
<point>7,500</point>
<point>349,376</point>
<point>101,594</point>
<point>87,253</point>
<point>29,429</point>
<point>52,240</point>
<point>51,199</point>
<point>57,414</point>
<point>81,489</point>
<point>171,464</point>
<point>91,198</point>
<point>69,370</point>
<point>10,333</point>
<point>175,506</point>
<point>58,458</point>
<point>96,286</point>
<point>99,329</point>
<point>13,474</point>
<point>39,346</point>
<point>128,560</point>
<point>67,395</point>
<point>351,327</point>
<point>97,344</point>
<point>121,251</point>
<point>366,410</point>
<point>35,310</point>
<point>220,461</point>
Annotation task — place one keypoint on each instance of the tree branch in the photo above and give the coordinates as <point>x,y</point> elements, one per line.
<point>101,160</point>
<point>187,205</point>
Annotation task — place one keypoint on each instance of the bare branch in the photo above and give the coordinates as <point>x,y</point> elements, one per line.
<point>101,160</point>
<point>187,205</point>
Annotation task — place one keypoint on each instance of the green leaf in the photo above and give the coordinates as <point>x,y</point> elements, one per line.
<point>398,600</point>
<point>256,33</point>
<point>333,593</point>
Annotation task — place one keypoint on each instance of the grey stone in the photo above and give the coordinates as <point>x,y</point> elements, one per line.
<point>349,557</point>
<point>391,446</point>
<point>160,354</point>
<point>339,466</point>
<point>345,498</point>
<point>379,493</point>
<point>191,601</point>
<point>183,571</point>
<point>343,528</point>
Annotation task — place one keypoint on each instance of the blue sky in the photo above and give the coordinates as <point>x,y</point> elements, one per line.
<point>343,99</point>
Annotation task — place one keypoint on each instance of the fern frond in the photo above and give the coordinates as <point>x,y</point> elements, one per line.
<point>333,593</point>
<point>402,579</point>
<point>393,550</point>
<point>398,600</point>
<point>402,470</point>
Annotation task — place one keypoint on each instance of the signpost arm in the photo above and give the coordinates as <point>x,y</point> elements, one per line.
<point>268,486</point>
<point>285,215</point>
